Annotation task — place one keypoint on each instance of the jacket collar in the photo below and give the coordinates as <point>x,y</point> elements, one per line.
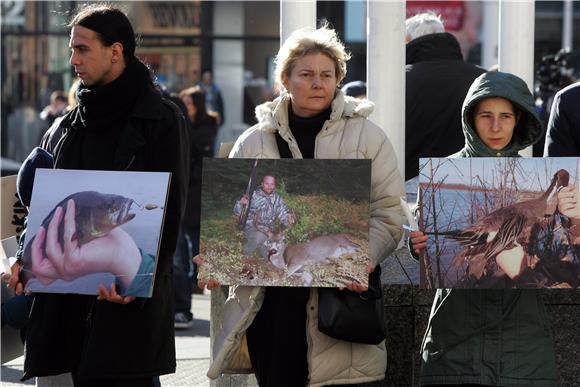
<point>273,116</point>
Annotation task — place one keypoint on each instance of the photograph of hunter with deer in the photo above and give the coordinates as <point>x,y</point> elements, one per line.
<point>285,222</point>
<point>500,223</point>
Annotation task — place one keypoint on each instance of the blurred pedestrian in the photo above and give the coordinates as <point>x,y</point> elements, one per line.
<point>203,136</point>
<point>121,123</point>
<point>437,80</point>
<point>279,325</point>
<point>213,96</point>
<point>56,108</point>
<point>203,128</point>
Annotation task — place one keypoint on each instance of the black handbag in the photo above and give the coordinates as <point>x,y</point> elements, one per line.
<point>354,317</point>
<point>346,315</point>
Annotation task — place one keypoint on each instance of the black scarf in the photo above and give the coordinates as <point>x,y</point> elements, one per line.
<point>100,117</point>
<point>100,108</point>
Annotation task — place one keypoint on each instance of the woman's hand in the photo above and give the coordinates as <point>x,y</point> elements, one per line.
<point>211,283</point>
<point>418,241</point>
<point>357,287</point>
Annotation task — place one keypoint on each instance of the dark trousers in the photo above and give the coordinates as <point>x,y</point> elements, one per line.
<point>457,385</point>
<point>277,338</point>
<point>139,382</point>
<point>182,285</point>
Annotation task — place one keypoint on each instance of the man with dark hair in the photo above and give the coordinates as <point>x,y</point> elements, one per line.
<point>121,123</point>
<point>437,80</point>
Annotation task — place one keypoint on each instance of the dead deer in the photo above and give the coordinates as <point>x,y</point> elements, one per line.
<point>319,250</point>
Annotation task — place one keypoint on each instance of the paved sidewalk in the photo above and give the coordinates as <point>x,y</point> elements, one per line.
<point>191,346</point>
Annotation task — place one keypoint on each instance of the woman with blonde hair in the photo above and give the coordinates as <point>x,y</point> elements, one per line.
<point>311,118</point>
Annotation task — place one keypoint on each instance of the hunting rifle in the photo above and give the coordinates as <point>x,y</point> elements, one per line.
<point>249,191</point>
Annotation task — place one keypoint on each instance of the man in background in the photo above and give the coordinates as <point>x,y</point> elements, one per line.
<point>437,79</point>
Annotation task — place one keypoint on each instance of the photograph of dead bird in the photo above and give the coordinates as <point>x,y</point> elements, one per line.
<point>91,228</point>
<point>500,222</point>
<point>285,222</point>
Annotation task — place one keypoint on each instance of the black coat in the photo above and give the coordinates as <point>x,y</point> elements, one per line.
<point>437,80</point>
<point>563,133</point>
<point>100,339</point>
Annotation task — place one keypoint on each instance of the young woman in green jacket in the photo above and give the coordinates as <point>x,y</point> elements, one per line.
<point>484,337</point>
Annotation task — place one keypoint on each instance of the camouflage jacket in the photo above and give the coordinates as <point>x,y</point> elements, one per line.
<point>265,209</point>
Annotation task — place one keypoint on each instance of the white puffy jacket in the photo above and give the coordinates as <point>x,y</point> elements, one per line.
<point>348,134</point>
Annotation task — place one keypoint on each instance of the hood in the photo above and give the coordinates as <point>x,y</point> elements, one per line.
<point>442,46</point>
<point>273,115</point>
<point>497,84</point>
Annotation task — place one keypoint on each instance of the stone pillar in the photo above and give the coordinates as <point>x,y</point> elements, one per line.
<point>516,43</point>
<point>295,15</point>
<point>567,24</point>
<point>386,71</point>
<point>489,40</point>
<point>228,66</point>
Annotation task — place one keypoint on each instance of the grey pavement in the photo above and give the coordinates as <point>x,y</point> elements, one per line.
<point>191,347</point>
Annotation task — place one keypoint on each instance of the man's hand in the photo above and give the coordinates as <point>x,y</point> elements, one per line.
<point>244,200</point>
<point>211,283</point>
<point>112,295</point>
<point>292,218</point>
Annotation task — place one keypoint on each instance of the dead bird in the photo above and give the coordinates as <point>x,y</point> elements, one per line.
<point>96,214</point>
<point>504,228</point>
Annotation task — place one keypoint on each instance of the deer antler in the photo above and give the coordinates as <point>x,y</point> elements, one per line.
<point>261,227</point>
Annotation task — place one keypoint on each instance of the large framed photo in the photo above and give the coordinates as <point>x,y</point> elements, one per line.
<point>500,222</point>
<point>87,228</point>
<point>285,222</point>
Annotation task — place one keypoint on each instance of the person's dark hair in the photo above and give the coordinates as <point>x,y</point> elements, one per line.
<point>197,96</point>
<point>111,25</point>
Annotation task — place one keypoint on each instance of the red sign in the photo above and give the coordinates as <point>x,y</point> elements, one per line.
<point>452,12</point>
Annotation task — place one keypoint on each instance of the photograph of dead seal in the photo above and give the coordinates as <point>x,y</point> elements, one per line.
<point>285,222</point>
<point>500,222</point>
<point>91,227</point>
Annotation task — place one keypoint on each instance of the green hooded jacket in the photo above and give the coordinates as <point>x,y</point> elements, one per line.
<point>491,337</point>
